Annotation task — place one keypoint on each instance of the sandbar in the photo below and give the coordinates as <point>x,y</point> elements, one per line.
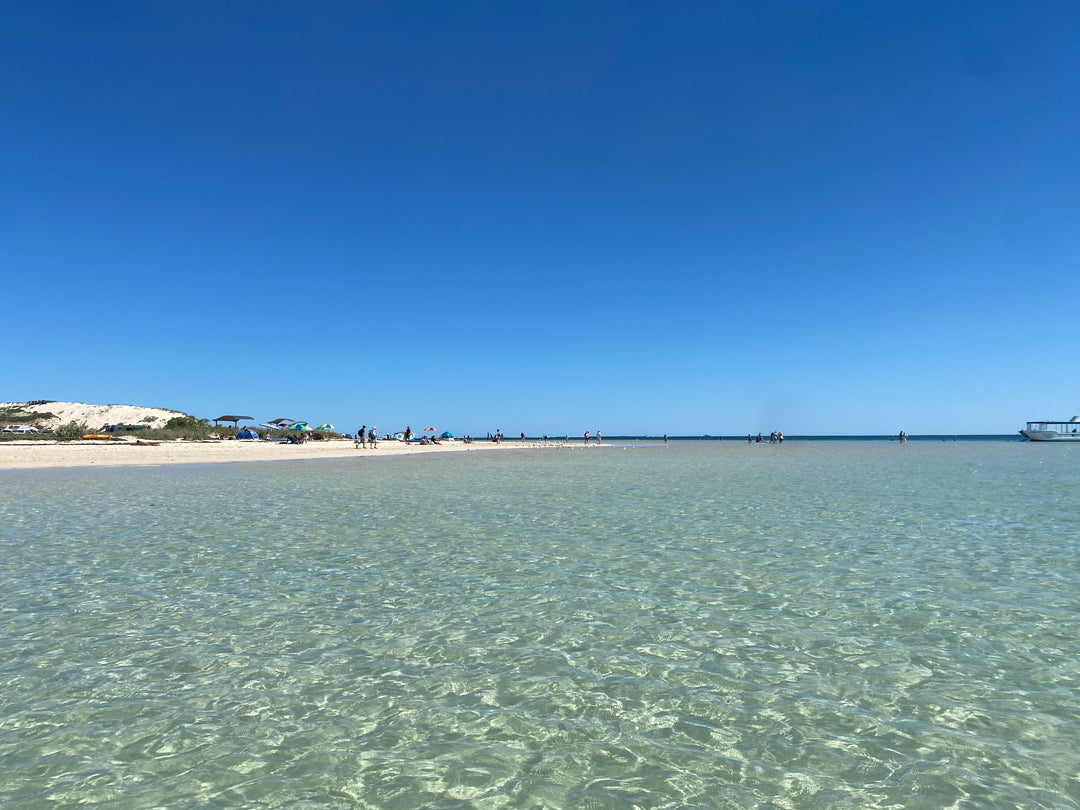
<point>39,454</point>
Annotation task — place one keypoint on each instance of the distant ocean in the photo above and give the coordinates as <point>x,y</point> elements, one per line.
<point>818,624</point>
<point>930,437</point>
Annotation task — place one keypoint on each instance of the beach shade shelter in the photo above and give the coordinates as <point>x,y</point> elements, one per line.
<point>247,433</point>
<point>231,418</point>
<point>446,434</point>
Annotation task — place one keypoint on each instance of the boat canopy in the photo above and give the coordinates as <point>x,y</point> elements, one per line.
<point>229,417</point>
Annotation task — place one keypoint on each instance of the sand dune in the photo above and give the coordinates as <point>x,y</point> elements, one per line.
<point>97,416</point>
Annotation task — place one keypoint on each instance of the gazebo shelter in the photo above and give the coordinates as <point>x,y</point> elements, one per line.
<point>231,418</point>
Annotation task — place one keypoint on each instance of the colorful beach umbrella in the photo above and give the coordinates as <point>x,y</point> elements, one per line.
<point>299,426</point>
<point>326,426</point>
<point>428,428</point>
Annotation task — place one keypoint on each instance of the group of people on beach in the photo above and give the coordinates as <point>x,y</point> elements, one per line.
<point>776,437</point>
<point>369,436</point>
<point>366,437</point>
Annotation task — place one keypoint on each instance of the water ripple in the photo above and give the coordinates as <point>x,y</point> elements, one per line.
<point>717,626</point>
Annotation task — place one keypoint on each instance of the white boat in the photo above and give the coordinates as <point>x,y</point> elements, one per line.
<point>1053,431</point>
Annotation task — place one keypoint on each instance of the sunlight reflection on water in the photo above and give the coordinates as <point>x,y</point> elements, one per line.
<point>811,625</point>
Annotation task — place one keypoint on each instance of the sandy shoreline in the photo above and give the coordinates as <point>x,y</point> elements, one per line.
<point>30,455</point>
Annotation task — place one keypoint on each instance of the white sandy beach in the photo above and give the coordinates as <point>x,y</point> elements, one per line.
<point>28,454</point>
<point>37,454</point>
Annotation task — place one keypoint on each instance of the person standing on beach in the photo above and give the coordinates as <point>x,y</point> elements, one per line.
<point>373,437</point>
<point>665,438</point>
<point>523,438</point>
<point>361,436</point>
<point>408,434</point>
<point>598,437</point>
<point>586,437</point>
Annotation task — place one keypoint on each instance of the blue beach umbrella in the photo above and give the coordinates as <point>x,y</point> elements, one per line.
<point>326,426</point>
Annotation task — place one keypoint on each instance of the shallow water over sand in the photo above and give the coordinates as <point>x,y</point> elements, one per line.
<point>692,625</point>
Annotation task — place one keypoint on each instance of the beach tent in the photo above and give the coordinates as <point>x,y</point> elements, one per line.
<point>446,434</point>
<point>247,433</point>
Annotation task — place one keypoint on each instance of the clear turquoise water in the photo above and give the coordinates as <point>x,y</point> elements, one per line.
<point>812,625</point>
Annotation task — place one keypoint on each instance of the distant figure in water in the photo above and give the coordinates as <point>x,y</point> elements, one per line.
<point>903,437</point>
<point>749,439</point>
<point>665,438</point>
<point>586,437</point>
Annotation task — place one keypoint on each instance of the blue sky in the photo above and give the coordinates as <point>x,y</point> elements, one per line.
<point>703,217</point>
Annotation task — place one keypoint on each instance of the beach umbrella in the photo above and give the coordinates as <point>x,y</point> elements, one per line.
<point>326,426</point>
<point>299,426</point>
<point>428,428</point>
